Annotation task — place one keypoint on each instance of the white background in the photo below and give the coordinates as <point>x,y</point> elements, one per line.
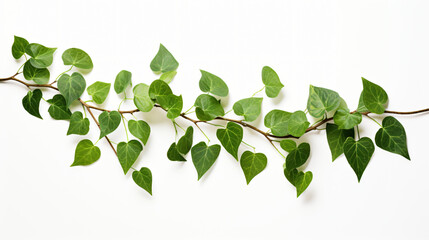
<point>325,43</point>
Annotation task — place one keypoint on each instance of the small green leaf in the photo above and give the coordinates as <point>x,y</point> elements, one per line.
<point>42,56</point>
<point>78,124</point>
<point>159,88</point>
<point>231,138</point>
<point>297,124</point>
<point>288,145</point>
<point>109,121</point>
<point>361,106</point>
<point>139,129</point>
<point>345,120</point>
<point>86,153</point>
<point>99,91</point>
<point>58,109</point>
<point>141,97</point>
<point>143,179</point>
<point>322,100</point>
<point>128,152</point>
<point>204,156</point>
<point>336,138</point>
<point>272,83</point>
<point>38,75</point>
<point>172,103</point>
<point>31,102</point>
<point>392,138</point>
<point>71,87</point>
<point>374,97</point>
<point>163,61</point>
<point>252,164</point>
<point>298,156</point>
<point>213,84</point>
<point>302,181</point>
<point>277,121</point>
<point>208,107</point>
<point>249,108</point>
<point>18,47</point>
<point>174,155</point>
<point>185,142</point>
<point>122,81</point>
<point>77,58</point>
<point>291,175</point>
<point>168,76</point>
<point>358,154</point>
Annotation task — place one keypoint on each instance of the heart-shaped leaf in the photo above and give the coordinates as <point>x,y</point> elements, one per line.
<point>78,124</point>
<point>231,138</point>
<point>322,100</point>
<point>346,120</point>
<point>122,81</point>
<point>361,106</point>
<point>298,156</point>
<point>38,75</point>
<point>252,164</point>
<point>109,121</point>
<point>272,83</point>
<point>277,121</point>
<point>249,108</point>
<point>392,137</point>
<point>86,153</point>
<point>163,61</point>
<point>374,97</point>
<point>172,103</point>
<point>59,109</point>
<point>159,88</point>
<point>302,181</point>
<point>185,142</point>
<point>71,87</point>
<point>31,102</point>
<point>18,47</point>
<point>208,107</point>
<point>336,138</point>
<point>143,178</point>
<point>288,145</point>
<point>99,91</point>
<point>290,174</point>
<point>42,56</point>
<point>358,154</point>
<point>139,129</point>
<point>204,156</point>
<point>168,76</point>
<point>174,155</point>
<point>141,97</point>
<point>128,152</point>
<point>213,84</point>
<point>77,58</point>
<point>297,124</point>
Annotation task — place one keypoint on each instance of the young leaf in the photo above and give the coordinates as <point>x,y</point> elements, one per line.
<point>122,81</point>
<point>99,91</point>
<point>38,75</point>
<point>59,109</point>
<point>345,120</point>
<point>159,88</point>
<point>208,107</point>
<point>358,154</point>
<point>78,58</point>
<point>277,121</point>
<point>336,138</point>
<point>252,164</point>
<point>143,179</point>
<point>71,87</point>
<point>298,156</point>
<point>213,84</point>
<point>139,129</point>
<point>204,156</point>
<point>163,61</point>
<point>231,138</point>
<point>322,100</point>
<point>109,121</point>
<point>86,153</point>
<point>18,47</point>
<point>272,83</point>
<point>185,142</point>
<point>374,97</point>
<point>174,155</point>
<point>288,145</point>
<point>78,124</point>
<point>392,138</point>
<point>297,124</point>
<point>128,153</point>
<point>141,97</point>
<point>249,108</point>
<point>42,56</point>
<point>302,181</point>
<point>168,76</point>
<point>31,102</point>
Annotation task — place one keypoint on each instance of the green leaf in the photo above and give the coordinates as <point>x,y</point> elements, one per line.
<point>38,75</point>
<point>213,84</point>
<point>361,106</point>
<point>78,124</point>
<point>277,121</point>
<point>71,87</point>
<point>345,120</point>
<point>185,142</point>
<point>288,145</point>
<point>163,61</point>
<point>143,179</point>
<point>231,138</point>
<point>358,154</point>
<point>141,97</point>
<point>99,91</point>
<point>208,107</point>
<point>86,153</point>
<point>322,100</point>
<point>18,47</point>
<point>172,103</point>
<point>159,88</point>
<point>128,152</point>
<point>174,155</point>
<point>297,124</point>
<point>31,102</point>
<point>291,175</point>
<point>252,164</point>
<point>392,138</point>
<point>374,97</point>
<point>272,83</point>
<point>204,156</point>
<point>298,156</point>
<point>249,108</point>
<point>122,81</point>
<point>77,58</point>
<point>139,129</point>
<point>336,138</point>
<point>302,181</point>
<point>109,121</point>
<point>42,56</point>
<point>58,109</point>
<point>168,76</point>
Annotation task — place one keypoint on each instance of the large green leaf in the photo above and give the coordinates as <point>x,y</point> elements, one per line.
<point>42,56</point>
<point>277,121</point>
<point>302,181</point>
<point>77,58</point>
<point>322,100</point>
<point>391,137</point>
<point>31,102</point>
<point>59,109</point>
<point>213,84</point>
<point>291,175</point>
<point>141,97</point>
<point>159,88</point>
<point>297,124</point>
<point>71,87</point>
<point>288,145</point>
<point>174,155</point>
<point>249,108</point>
<point>18,47</point>
<point>204,156</point>
<point>346,120</point>
<point>86,153</point>
<point>38,75</point>
<point>374,97</point>
<point>185,142</point>
<point>298,156</point>
<point>139,129</point>
<point>208,107</point>
<point>358,154</point>
<point>122,81</point>
<point>143,179</point>
<point>271,81</point>
<point>252,164</point>
<point>336,138</point>
<point>109,121</point>
<point>128,152</point>
<point>99,91</point>
<point>231,138</point>
<point>78,124</point>
<point>168,76</point>
<point>163,61</point>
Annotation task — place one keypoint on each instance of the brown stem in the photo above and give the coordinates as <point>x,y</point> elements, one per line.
<point>98,124</point>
